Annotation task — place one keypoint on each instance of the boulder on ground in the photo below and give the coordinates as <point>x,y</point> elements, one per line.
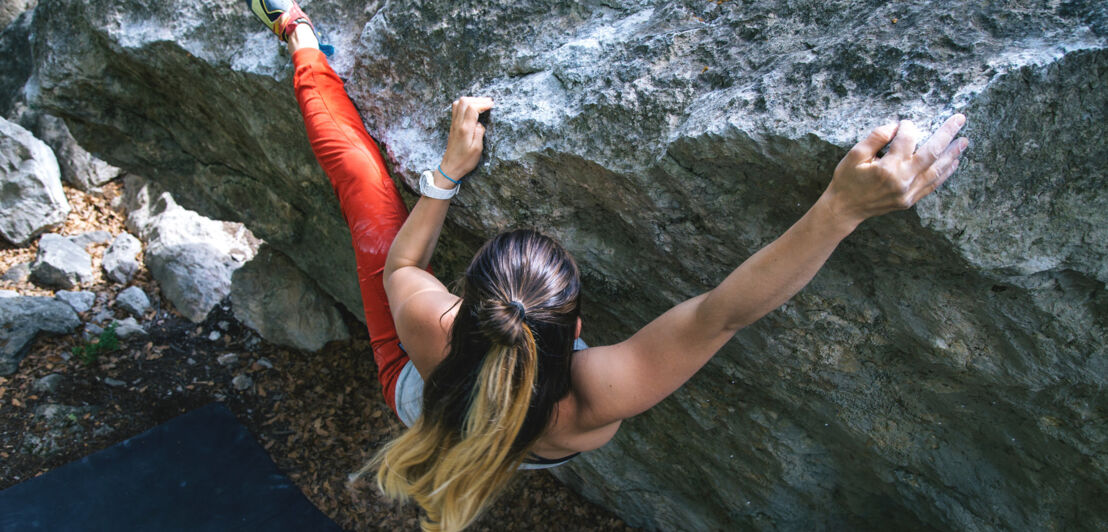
<point>120,260</point>
<point>31,195</point>
<point>128,327</point>
<point>81,301</point>
<point>48,384</point>
<point>191,257</point>
<point>272,296</point>
<point>23,318</point>
<point>18,273</point>
<point>60,263</point>
<point>133,300</point>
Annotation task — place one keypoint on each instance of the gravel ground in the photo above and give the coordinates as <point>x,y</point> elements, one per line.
<point>319,415</point>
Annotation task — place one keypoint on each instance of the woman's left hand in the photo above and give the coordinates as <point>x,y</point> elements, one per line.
<point>464,145</point>
<point>865,185</point>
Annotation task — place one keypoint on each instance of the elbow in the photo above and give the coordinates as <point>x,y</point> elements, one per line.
<point>722,319</point>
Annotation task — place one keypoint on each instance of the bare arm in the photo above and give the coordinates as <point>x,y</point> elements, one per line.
<point>418,300</point>
<point>615,382</point>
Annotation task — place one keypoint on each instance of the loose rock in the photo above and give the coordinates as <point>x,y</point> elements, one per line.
<point>60,263</point>
<point>23,318</point>
<point>128,327</point>
<point>31,196</point>
<point>81,301</point>
<point>49,383</point>
<point>114,383</point>
<point>133,300</point>
<point>120,260</point>
<point>18,273</point>
<point>242,382</point>
<point>228,359</point>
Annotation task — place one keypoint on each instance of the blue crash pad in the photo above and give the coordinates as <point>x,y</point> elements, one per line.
<point>200,471</point>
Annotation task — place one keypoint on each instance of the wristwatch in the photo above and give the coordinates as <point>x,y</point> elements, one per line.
<point>427,188</point>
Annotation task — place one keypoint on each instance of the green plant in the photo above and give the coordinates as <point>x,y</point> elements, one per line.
<point>106,342</point>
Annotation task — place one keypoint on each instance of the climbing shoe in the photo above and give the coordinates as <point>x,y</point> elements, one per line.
<point>282,17</point>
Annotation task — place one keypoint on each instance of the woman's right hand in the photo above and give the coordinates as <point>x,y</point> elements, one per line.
<point>865,185</point>
<point>464,145</point>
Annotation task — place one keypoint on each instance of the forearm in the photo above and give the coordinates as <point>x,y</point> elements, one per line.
<point>415,242</point>
<point>776,272</point>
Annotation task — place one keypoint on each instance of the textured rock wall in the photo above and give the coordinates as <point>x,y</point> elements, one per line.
<point>945,370</point>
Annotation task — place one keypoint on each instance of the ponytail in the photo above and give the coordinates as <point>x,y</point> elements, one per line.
<point>492,396</point>
<point>453,476</point>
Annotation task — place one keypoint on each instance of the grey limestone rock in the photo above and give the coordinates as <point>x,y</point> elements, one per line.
<point>128,327</point>
<point>23,318</point>
<point>272,296</point>
<point>31,196</point>
<point>60,263</point>
<point>121,258</point>
<point>81,301</point>
<point>192,257</point>
<point>91,237</point>
<point>133,300</point>
<point>18,273</point>
<point>945,370</point>
<point>49,383</point>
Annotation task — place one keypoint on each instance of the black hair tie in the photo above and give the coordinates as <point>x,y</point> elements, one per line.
<point>519,307</point>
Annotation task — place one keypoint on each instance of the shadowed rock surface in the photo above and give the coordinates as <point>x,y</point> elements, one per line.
<point>270,295</point>
<point>945,370</point>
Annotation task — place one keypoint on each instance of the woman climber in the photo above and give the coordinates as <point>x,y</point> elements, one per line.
<point>495,379</point>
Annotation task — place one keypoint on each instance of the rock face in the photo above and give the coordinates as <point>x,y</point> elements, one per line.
<point>191,256</point>
<point>946,368</point>
<point>31,196</point>
<point>270,295</point>
<point>11,9</point>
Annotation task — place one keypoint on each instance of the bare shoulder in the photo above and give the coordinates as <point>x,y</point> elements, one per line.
<point>423,323</point>
<point>575,427</point>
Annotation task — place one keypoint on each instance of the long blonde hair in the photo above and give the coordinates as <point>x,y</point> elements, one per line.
<point>494,393</point>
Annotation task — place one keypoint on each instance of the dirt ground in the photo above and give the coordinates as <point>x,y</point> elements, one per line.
<point>319,415</point>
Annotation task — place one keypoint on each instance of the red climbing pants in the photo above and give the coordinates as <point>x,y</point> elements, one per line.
<point>368,198</point>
